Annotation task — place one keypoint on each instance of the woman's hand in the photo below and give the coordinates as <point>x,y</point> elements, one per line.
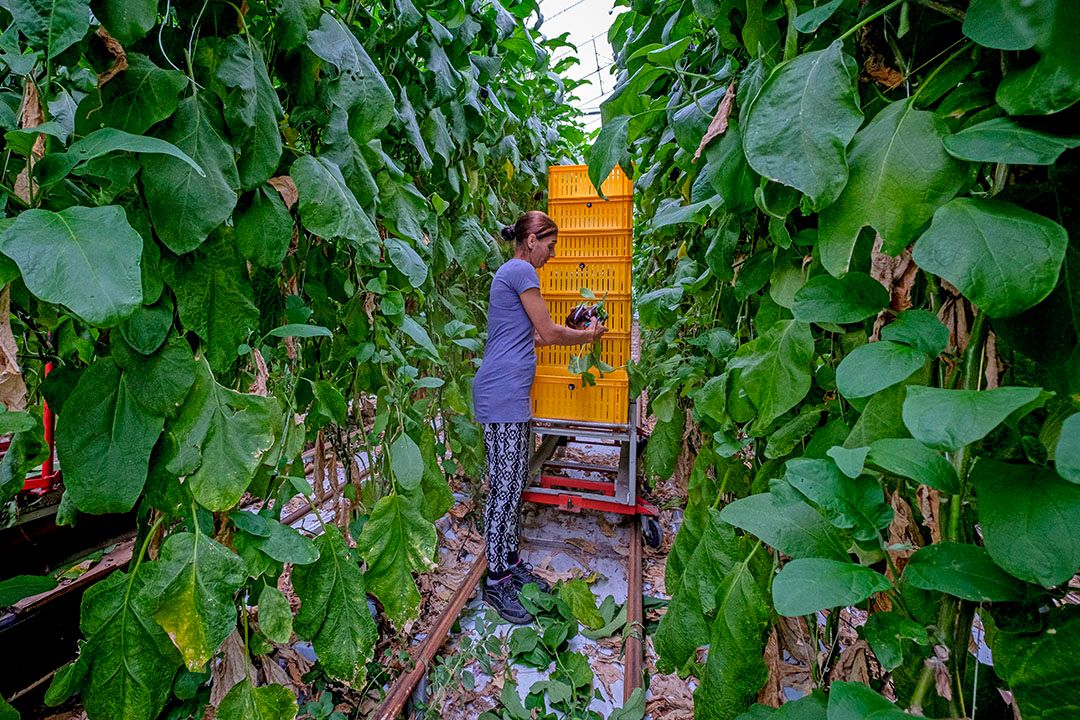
<point>597,330</point>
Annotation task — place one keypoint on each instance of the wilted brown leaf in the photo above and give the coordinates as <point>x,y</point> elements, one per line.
<point>853,665</point>
<point>771,694</point>
<point>930,507</point>
<point>262,374</point>
<point>939,663</point>
<point>719,122</point>
<point>114,48</point>
<point>12,386</point>
<point>286,188</point>
<point>233,668</point>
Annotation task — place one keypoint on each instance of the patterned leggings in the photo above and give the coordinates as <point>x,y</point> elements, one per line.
<point>507,448</point>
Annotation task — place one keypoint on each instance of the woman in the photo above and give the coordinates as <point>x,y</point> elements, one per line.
<point>518,319</point>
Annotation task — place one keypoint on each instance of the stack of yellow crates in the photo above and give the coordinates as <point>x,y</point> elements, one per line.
<point>595,239</point>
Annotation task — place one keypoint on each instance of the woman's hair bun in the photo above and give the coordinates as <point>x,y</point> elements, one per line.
<point>508,233</point>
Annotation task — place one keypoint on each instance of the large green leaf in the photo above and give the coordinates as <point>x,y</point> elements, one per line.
<point>126,667</point>
<point>406,462</point>
<point>808,585</point>
<point>888,633</point>
<point>900,174</point>
<point>1067,450</point>
<point>264,228</point>
<point>665,445</point>
<point>185,205</point>
<point>1028,517</point>
<point>965,571</point>
<point>333,609</point>
<point>247,702</point>
<point>582,603</point>
<point>849,503</point>
<point>437,498</point>
<point>950,419</point>
<point>86,259</point>
<point>275,615</point>
<point>140,96</point>
<point>1005,140</point>
<point>54,167</point>
<point>799,126</point>
<point>790,526</point>
<point>51,25</point>
<point>735,671</point>
<point>729,174</point>
<point>252,109</point>
<point>826,299</point>
<point>1003,258</point>
<point>105,447</point>
<point>882,416</point>
<point>190,591</point>
<point>856,701</point>
<point>1052,83</point>
<point>14,589</point>
<point>359,88</point>
<point>810,20</point>
<point>215,300</point>
<point>159,381</point>
<point>1006,24</point>
<point>1040,668</point>
<point>126,20</point>
<point>875,366</point>
<point>608,150</point>
<point>396,542</point>
<point>405,210</point>
<point>911,459</point>
<point>219,439</point>
<point>920,329</point>
<point>775,370</point>
<point>327,206</point>
<point>686,625</point>
<point>408,261</point>
<point>286,545</point>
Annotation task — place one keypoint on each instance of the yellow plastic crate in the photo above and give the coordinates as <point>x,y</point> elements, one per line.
<point>562,397</point>
<point>570,275</point>
<point>614,350</point>
<point>572,182</point>
<point>596,214</point>
<point>594,251</point>
<point>594,245</point>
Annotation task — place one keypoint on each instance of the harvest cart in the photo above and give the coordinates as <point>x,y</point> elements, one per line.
<point>595,239</point>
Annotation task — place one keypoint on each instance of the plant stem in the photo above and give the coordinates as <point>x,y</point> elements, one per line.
<point>868,19</point>
<point>791,40</point>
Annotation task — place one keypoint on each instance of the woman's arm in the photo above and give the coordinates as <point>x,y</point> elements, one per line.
<point>550,333</point>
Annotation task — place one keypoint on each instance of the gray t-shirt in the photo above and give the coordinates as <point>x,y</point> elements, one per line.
<point>501,387</point>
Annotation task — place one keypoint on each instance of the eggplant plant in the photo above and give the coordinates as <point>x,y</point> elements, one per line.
<point>856,259</point>
<point>237,230</point>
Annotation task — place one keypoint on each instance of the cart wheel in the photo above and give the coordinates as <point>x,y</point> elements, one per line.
<point>654,534</point>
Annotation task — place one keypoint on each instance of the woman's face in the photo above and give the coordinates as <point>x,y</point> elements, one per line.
<point>541,249</point>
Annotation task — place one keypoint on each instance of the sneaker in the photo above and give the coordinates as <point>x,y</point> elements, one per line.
<point>502,596</point>
<point>522,574</point>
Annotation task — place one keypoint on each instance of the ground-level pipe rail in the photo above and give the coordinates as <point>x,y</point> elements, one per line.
<point>632,677</point>
<point>402,689</point>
